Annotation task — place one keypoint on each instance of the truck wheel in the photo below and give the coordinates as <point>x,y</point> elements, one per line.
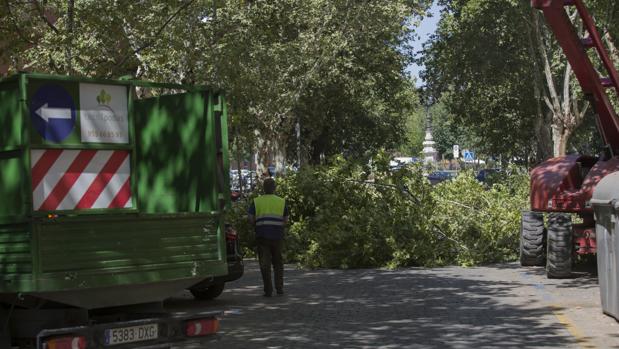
<point>560,246</point>
<point>532,239</point>
<point>208,293</point>
<point>5,335</point>
<point>5,339</point>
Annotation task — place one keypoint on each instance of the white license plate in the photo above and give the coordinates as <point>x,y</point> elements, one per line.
<point>131,334</point>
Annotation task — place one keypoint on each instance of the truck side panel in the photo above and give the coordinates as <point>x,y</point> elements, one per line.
<point>118,250</point>
<point>10,117</point>
<point>15,256</point>
<point>13,205</point>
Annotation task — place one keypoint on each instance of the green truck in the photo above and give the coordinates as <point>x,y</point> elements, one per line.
<point>112,198</point>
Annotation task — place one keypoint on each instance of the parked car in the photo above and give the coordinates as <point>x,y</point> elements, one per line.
<point>399,162</point>
<point>440,176</point>
<point>487,173</point>
<point>248,180</point>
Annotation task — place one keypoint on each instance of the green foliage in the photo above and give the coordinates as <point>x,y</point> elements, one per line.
<point>237,217</point>
<point>500,67</point>
<point>317,62</point>
<point>414,132</point>
<point>484,221</point>
<point>479,61</point>
<point>586,138</point>
<point>346,221</point>
<point>348,215</point>
<point>447,132</point>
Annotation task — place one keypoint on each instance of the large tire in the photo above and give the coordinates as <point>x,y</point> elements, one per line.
<point>5,335</point>
<point>208,293</point>
<point>560,246</point>
<point>532,239</point>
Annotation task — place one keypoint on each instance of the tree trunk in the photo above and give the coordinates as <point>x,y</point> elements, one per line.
<point>544,146</point>
<point>563,110</point>
<point>263,156</point>
<point>612,49</point>
<point>239,156</point>
<point>542,124</point>
<point>560,137</point>
<point>279,156</point>
<point>316,151</point>
<point>297,129</point>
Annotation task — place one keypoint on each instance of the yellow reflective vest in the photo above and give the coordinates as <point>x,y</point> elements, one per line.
<point>270,210</point>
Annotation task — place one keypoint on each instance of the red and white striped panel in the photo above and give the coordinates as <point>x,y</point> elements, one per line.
<point>80,179</point>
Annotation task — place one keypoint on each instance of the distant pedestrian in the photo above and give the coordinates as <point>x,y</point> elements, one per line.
<point>269,215</point>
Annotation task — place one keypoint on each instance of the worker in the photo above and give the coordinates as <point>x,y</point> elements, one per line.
<point>268,214</point>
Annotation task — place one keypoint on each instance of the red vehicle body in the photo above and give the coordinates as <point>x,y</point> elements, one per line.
<point>564,185</point>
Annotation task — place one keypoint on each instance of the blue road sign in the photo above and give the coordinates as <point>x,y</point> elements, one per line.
<point>52,111</point>
<point>469,155</point>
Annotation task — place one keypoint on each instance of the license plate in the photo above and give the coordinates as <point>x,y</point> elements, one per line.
<point>131,334</point>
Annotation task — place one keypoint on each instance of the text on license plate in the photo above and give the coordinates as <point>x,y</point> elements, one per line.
<point>131,334</point>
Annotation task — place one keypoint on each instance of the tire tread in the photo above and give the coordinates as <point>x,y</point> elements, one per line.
<point>560,247</point>
<point>532,239</point>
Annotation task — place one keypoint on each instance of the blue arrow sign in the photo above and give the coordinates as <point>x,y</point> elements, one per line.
<point>53,112</point>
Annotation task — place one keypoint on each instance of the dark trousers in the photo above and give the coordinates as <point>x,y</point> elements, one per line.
<point>270,253</point>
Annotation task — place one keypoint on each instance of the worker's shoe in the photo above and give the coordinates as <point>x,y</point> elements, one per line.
<point>280,292</point>
<point>267,295</point>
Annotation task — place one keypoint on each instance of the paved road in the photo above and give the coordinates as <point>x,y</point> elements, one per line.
<point>483,307</point>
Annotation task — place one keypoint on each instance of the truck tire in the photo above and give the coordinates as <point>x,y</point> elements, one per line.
<point>208,293</point>
<point>532,239</point>
<point>560,247</point>
<point>5,339</point>
<point>5,335</point>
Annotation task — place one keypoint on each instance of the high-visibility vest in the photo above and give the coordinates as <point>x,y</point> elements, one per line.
<point>269,210</point>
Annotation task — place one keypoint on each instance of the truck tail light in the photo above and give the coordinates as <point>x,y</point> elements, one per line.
<point>69,342</point>
<point>231,234</point>
<point>201,327</point>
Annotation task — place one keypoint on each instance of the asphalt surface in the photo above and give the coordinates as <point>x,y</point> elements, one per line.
<point>494,306</point>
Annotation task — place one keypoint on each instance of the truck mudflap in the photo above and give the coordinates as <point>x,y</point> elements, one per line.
<point>155,331</point>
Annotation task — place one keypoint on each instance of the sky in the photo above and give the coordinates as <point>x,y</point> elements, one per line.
<point>427,28</point>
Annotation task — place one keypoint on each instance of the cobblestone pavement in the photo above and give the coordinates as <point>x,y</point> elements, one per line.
<point>483,307</point>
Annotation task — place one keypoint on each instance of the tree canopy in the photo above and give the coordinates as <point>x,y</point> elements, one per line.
<point>335,68</point>
<point>506,80</point>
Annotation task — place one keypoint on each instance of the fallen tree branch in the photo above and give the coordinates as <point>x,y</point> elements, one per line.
<point>436,229</point>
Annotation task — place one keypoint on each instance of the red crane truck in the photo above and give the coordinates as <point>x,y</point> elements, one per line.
<point>564,185</point>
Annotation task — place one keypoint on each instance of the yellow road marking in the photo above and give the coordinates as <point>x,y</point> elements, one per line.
<point>581,339</point>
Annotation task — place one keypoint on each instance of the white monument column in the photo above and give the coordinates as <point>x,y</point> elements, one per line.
<point>429,153</point>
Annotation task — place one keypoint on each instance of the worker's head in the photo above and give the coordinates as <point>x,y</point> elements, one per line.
<point>269,186</point>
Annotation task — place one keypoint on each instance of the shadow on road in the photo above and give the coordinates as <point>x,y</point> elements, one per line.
<point>584,274</point>
<point>380,308</point>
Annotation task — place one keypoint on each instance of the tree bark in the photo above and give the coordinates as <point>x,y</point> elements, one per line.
<point>279,151</point>
<point>542,130</point>
<point>612,48</point>
<point>560,137</point>
<point>263,158</point>
<point>563,111</point>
